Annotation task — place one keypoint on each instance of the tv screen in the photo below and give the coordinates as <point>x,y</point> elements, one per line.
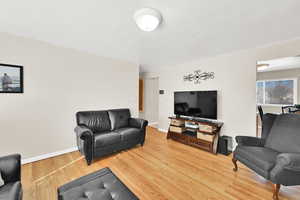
<point>202,104</point>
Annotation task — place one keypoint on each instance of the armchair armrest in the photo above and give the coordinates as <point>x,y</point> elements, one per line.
<point>83,132</point>
<point>249,141</point>
<point>290,161</point>
<point>138,123</point>
<point>10,168</point>
<point>286,170</point>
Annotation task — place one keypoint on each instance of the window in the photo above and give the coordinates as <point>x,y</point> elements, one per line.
<point>276,92</point>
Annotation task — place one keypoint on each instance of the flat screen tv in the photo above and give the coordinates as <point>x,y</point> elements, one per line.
<point>202,104</point>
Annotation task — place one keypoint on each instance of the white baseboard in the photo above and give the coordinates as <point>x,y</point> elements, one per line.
<point>163,130</point>
<point>48,155</point>
<point>153,124</point>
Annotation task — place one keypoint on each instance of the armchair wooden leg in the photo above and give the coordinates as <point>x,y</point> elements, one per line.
<point>89,162</point>
<point>276,188</point>
<point>235,164</point>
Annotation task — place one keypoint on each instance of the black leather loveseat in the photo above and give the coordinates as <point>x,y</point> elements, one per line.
<point>100,133</point>
<point>10,168</point>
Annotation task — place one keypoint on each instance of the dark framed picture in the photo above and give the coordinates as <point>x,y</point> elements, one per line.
<point>11,78</point>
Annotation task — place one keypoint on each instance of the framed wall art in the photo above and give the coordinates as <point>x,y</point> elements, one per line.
<point>11,78</point>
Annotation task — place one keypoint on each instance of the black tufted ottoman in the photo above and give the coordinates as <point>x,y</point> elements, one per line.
<point>100,185</point>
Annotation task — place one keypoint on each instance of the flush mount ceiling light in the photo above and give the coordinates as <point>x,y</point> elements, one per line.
<point>147,19</point>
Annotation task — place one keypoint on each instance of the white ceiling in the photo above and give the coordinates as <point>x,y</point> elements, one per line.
<point>279,64</point>
<point>191,28</point>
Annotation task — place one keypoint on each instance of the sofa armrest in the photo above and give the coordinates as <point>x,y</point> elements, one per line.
<point>83,132</point>
<point>138,123</point>
<point>87,136</point>
<point>16,192</point>
<point>249,141</point>
<point>10,168</point>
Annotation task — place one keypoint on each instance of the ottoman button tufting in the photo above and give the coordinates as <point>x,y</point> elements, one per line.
<point>102,184</point>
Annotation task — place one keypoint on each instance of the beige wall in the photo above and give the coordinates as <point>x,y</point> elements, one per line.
<point>58,82</point>
<point>290,73</point>
<point>235,80</point>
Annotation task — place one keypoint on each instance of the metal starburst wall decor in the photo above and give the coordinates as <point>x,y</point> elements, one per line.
<point>198,76</point>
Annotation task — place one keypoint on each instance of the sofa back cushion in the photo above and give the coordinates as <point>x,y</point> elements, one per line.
<point>284,135</point>
<point>119,118</point>
<point>97,121</point>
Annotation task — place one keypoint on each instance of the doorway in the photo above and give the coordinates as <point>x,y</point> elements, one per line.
<point>150,99</point>
<point>277,87</point>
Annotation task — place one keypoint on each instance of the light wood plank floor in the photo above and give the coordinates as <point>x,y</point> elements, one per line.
<point>161,169</point>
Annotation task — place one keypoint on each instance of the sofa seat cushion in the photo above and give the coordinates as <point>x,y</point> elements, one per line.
<point>106,138</point>
<point>129,133</point>
<point>260,158</point>
<point>5,190</point>
<point>10,191</point>
<point>119,118</point>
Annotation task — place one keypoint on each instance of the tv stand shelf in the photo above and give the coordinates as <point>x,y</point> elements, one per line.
<point>201,133</point>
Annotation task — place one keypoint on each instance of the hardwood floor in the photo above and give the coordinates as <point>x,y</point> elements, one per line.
<point>161,169</point>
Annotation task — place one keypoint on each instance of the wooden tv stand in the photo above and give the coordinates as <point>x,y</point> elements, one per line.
<point>205,137</point>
